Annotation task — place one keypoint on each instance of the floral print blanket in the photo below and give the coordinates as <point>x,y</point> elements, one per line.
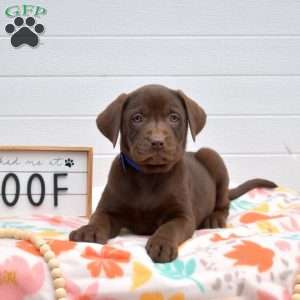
<point>256,257</point>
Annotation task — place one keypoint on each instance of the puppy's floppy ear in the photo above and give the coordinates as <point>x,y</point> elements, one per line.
<point>196,115</point>
<point>109,121</point>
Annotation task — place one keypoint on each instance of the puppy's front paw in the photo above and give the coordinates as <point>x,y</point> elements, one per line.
<point>161,250</point>
<point>216,219</point>
<point>88,233</point>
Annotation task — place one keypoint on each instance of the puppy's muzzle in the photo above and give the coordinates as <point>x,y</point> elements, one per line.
<point>157,142</point>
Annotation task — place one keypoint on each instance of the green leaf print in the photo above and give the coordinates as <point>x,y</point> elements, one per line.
<point>190,267</point>
<point>179,270</point>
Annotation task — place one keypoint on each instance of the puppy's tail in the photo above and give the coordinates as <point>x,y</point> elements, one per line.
<point>249,185</point>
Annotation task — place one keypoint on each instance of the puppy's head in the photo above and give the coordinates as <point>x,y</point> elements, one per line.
<point>153,121</point>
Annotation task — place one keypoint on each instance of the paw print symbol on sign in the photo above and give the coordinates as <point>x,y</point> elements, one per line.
<point>24,33</point>
<point>69,162</point>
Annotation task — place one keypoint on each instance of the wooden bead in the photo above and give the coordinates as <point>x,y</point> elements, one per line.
<point>2,233</point>
<point>45,248</point>
<point>59,293</point>
<point>59,283</point>
<point>53,263</point>
<point>23,235</point>
<point>49,255</point>
<point>297,288</point>
<point>298,279</point>
<point>56,273</point>
<point>37,241</point>
<point>296,297</point>
<point>11,231</point>
<point>14,233</point>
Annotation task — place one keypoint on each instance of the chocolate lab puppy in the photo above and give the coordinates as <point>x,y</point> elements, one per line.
<point>155,187</point>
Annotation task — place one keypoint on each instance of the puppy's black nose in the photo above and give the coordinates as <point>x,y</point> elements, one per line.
<point>157,144</point>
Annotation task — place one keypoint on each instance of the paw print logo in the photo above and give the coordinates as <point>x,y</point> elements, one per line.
<point>69,162</point>
<point>24,33</point>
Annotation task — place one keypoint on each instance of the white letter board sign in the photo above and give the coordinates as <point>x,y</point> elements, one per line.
<point>51,180</point>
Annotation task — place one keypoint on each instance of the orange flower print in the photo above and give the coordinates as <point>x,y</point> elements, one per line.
<point>217,237</point>
<point>28,247</point>
<point>107,260</point>
<point>57,246</point>
<point>252,254</point>
<point>252,217</point>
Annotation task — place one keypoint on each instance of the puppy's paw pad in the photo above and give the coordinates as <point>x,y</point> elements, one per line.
<point>161,250</point>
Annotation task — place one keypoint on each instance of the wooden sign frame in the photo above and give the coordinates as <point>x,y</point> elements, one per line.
<point>88,150</point>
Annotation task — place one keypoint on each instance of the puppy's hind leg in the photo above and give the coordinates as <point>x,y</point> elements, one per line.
<point>217,169</point>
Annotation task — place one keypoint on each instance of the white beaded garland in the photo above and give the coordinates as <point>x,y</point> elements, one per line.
<point>49,256</point>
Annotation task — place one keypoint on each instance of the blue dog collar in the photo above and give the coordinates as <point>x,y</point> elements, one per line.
<point>126,161</point>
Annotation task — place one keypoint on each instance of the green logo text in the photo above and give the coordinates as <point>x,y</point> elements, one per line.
<point>25,10</point>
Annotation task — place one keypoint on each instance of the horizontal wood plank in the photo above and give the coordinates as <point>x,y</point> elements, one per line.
<point>167,17</point>
<point>155,56</point>
<point>226,135</point>
<point>222,95</point>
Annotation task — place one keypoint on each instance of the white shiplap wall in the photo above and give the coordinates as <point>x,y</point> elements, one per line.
<point>239,59</point>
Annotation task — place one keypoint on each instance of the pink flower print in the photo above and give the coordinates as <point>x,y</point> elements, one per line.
<point>60,221</point>
<point>18,279</point>
<point>90,293</point>
<point>283,245</point>
<point>259,192</point>
<point>291,225</point>
<point>266,295</point>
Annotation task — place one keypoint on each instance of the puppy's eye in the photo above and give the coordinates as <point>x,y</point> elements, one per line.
<point>174,118</point>
<point>137,118</point>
